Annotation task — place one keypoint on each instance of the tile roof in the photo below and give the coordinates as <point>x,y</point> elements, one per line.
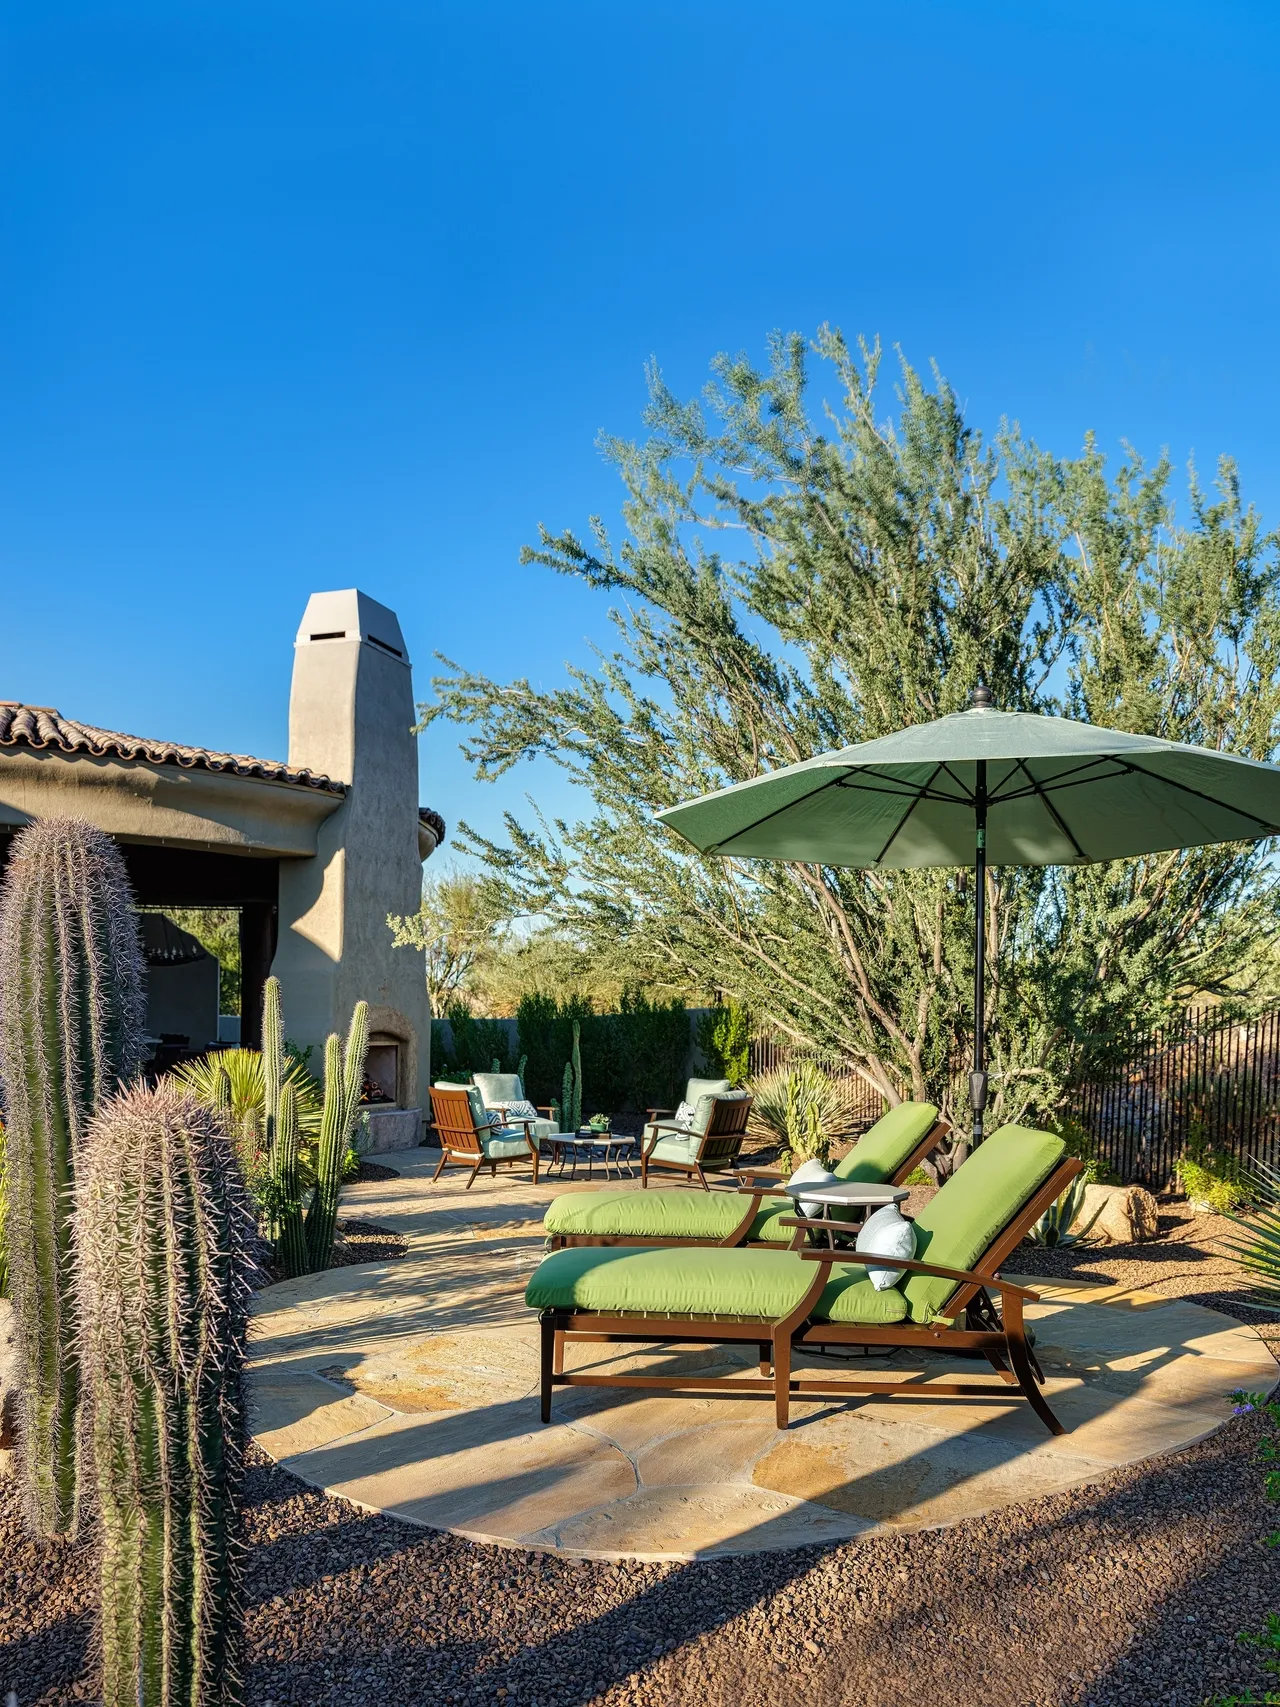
<point>41,727</point>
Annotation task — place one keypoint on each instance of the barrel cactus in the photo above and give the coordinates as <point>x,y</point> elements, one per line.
<point>71,1030</point>
<point>165,1240</point>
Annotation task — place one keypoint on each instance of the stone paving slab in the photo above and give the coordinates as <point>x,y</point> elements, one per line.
<point>411,1387</point>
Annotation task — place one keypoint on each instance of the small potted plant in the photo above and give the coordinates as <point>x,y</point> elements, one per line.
<point>599,1123</point>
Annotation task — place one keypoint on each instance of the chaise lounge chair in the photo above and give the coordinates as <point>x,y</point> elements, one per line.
<point>888,1152</point>
<point>466,1135</point>
<point>810,1298</point>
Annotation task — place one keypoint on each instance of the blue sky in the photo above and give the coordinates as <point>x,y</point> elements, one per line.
<point>306,295</point>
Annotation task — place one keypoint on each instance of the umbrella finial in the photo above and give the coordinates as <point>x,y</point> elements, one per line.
<point>980,699</point>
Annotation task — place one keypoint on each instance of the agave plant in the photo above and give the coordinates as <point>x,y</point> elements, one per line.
<point>1053,1229</point>
<point>1259,1254</point>
<point>801,1109</point>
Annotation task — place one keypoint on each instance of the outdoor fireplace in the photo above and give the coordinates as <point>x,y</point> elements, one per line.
<point>388,1118</point>
<point>382,1072</point>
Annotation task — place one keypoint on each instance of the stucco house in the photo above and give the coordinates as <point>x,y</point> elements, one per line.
<point>314,851</point>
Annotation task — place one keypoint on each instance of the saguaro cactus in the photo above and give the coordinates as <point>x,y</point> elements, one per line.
<point>343,1076</point>
<point>571,1085</point>
<point>164,1235</point>
<point>280,1137</point>
<point>70,1031</point>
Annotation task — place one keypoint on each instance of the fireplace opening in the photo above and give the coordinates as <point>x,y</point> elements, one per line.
<point>382,1073</point>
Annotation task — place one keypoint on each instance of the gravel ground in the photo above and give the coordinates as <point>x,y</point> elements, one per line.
<point>1128,1593</point>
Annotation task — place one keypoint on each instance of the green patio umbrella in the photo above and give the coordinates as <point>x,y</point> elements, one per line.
<point>988,787</point>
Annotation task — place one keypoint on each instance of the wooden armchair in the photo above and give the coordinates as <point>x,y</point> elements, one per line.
<point>676,1149</point>
<point>467,1137</point>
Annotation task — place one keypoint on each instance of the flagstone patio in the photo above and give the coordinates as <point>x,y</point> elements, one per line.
<point>411,1387</point>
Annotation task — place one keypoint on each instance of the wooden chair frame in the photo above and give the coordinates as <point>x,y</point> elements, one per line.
<point>460,1137</point>
<point>719,1145</point>
<point>757,1194</point>
<point>999,1338</point>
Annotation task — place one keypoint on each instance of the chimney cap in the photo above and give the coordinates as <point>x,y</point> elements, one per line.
<point>351,615</point>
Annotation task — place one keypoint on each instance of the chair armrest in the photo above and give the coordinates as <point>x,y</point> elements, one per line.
<point>653,1113</point>
<point>873,1259</point>
<point>746,1175</point>
<point>546,1111</point>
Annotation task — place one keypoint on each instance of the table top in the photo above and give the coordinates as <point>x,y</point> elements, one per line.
<point>585,1136</point>
<point>848,1192</point>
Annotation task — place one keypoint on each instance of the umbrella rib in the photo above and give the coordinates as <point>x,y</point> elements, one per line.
<point>1051,809</point>
<point>1185,788</point>
<point>893,834</point>
<point>1064,779</point>
<point>745,829</point>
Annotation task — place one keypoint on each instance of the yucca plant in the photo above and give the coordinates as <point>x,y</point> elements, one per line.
<point>801,1109</point>
<point>1053,1229</point>
<point>164,1241</point>
<point>1259,1253</point>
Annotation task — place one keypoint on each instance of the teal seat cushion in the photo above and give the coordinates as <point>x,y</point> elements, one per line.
<point>884,1147</point>
<point>646,1214</point>
<point>960,1223</point>
<point>674,1150</point>
<point>703,1281</point>
<point>503,1146</point>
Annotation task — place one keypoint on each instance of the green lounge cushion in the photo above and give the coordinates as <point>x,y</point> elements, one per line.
<point>884,1147</point>
<point>699,1280</point>
<point>674,1149</point>
<point>647,1214</point>
<point>957,1225</point>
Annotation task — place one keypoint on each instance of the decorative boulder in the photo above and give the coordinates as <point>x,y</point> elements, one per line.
<point>1118,1214</point>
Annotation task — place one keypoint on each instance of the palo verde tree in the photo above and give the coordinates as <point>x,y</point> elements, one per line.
<point>794,579</point>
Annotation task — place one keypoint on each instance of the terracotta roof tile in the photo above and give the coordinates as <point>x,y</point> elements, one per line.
<point>41,727</point>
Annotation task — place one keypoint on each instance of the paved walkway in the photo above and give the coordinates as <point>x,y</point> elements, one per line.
<point>410,1387</point>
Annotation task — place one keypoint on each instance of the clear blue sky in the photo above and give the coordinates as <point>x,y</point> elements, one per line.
<point>297,296</point>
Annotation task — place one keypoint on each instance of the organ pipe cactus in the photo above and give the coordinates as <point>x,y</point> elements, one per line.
<point>343,1077</point>
<point>71,1026</point>
<point>164,1236</point>
<point>280,1137</point>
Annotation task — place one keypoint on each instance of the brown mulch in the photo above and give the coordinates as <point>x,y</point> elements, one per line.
<point>368,1170</point>
<point>1130,1592</point>
<point>355,1241</point>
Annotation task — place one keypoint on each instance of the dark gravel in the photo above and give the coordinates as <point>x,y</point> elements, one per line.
<point>1127,1594</point>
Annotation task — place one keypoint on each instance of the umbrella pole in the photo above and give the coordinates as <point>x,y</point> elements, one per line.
<point>978,1077</point>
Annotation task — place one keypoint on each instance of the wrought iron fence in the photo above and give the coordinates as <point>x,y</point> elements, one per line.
<point>1203,1078</point>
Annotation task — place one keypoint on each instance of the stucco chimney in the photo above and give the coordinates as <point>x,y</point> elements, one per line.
<point>351,713</point>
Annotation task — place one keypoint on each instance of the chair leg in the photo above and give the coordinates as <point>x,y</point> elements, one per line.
<point>549,1338</point>
<point>444,1157</point>
<point>766,1358</point>
<point>557,1361</point>
<point>782,1378</point>
<point>702,1178</point>
<point>535,1167</point>
<point>644,1171</point>
<point>474,1174</point>
<point>1021,1360</point>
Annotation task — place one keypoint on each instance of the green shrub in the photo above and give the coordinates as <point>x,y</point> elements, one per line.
<point>1084,1147</point>
<point>1209,1176</point>
<point>724,1038</point>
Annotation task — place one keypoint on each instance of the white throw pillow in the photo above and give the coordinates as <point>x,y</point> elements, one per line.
<point>683,1116</point>
<point>886,1234</point>
<point>811,1173</point>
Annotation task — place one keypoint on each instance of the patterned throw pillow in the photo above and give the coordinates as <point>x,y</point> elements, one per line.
<point>684,1116</point>
<point>522,1110</point>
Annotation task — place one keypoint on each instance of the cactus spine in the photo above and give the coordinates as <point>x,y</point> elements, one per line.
<point>70,1032</point>
<point>343,1076</point>
<point>280,1138</point>
<point>164,1231</point>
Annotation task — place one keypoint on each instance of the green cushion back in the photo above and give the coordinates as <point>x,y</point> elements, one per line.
<point>705,1088</point>
<point>962,1221</point>
<point>498,1087</point>
<point>479,1114</point>
<point>884,1147</point>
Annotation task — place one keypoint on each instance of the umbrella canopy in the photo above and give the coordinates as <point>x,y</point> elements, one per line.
<point>986,786</point>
